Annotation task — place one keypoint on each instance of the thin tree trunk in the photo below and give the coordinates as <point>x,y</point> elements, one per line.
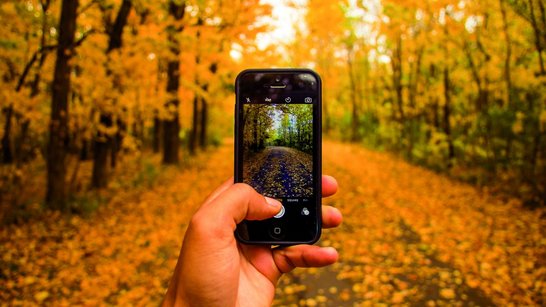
<point>7,153</point>
<point>447,103</point>
<point>203,127</point>
<point>171,127</point>
<point>447,114</point>
<point>536,31</point>
<point>195,126</point>
<point>58,127</point>
<point>354,103</point>
<point>508,55</point>
<point>507,76</point>
<point>158,132</point>
<point>194,133</point>
<point>398,73</point>
<point>104,143</point>
<point>100,158</point>
<point>203,120</point>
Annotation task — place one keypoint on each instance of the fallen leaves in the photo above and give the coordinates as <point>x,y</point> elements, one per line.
<point>409,237</point>
<point>123,254</point>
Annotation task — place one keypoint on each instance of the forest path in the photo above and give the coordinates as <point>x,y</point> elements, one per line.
<point>409,236</point>
<point>412,236</point>
<point>282,172</point>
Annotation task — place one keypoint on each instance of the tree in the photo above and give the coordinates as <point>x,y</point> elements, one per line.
<point>104,143</point>
<point>171,126</point>
<point>58,127</point>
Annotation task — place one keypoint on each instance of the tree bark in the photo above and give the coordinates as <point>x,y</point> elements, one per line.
<point>508,55</point>
<point>58,127</point>
<point>536,31</point>
<point>203,130</point>
<point>447,115</point>
<point>100,158</point>
<point>104,143</point>
<point>447,103</point>
<point>354,99</point>
<point>397,74</point>
<point>171,127</point>
<point>194,133</point>
<point>195,126</point>
<point>203,118</point>
<point>7,153</point>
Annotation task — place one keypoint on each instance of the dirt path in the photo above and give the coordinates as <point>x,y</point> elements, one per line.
<point>410,237</point>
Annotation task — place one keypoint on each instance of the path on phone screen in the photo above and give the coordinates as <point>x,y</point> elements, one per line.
<point>409,237</point>
<point>282,172</point>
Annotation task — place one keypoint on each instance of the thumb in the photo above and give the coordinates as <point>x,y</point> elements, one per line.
<point>237,203</point>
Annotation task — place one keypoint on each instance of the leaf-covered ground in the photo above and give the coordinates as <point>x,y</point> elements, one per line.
<point>280,171</point>
<point>409,237</point>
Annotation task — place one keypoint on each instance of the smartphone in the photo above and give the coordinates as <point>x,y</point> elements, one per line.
<point>278,152</point>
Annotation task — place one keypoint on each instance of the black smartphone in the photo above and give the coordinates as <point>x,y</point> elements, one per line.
<point>278,151</point>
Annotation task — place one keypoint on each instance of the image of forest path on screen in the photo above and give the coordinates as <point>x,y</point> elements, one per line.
<point>278,145</point>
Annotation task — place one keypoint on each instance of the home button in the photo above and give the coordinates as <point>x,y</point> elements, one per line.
<point>276,231</point>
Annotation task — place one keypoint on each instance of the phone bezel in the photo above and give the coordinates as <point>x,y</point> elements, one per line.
<point>317,144</point>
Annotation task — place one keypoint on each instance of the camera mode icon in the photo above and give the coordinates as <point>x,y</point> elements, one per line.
<point>308,100</point>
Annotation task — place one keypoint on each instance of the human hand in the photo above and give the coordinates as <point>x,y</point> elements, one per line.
<point>214,269</point>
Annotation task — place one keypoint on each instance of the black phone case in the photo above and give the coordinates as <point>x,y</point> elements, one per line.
<point>317,114</point>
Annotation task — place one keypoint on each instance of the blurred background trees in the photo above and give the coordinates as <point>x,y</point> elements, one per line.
<point>458,86</point>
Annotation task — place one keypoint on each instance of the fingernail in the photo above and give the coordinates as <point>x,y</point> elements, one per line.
<point>272,202</point>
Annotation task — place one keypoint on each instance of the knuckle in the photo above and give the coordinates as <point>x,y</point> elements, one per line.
<point>243,188</point>
<point>200,222</point>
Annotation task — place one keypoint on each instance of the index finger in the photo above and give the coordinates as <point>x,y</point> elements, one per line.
<point>329,188</point>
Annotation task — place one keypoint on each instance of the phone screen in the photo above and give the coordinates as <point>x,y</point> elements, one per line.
<point>278,152</point>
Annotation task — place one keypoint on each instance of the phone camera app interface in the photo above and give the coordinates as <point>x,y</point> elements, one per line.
<point>278,148</point>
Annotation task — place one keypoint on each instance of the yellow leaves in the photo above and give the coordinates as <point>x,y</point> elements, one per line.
<point>398,297</point>
<point>29,280</point>
<point>483,243</point>
<point>447,293</point>
<point>41,296</point>
<point>123,254</point>
<point>311,302</point>
<point>517,127</point>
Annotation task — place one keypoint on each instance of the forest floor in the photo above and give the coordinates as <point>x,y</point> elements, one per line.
<point>409,237</point>
<point>280,171</point>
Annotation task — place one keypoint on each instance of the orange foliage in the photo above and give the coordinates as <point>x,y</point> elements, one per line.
<point>406,231</point>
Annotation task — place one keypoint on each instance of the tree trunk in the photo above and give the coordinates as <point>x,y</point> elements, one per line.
<point>58,127</point>
<point>447,114</point>
<point>195,125</point>
<point>397,74</point>
<point>104,143</point>
<point>171,127</point>
<point>100,158</point>
<point>447,103</point>
<point>536,31</point>
<point>7,153</point>
<point>507,58</point>
<point>354,103</point>
<point>21,151</point>
<point>203,120</point>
